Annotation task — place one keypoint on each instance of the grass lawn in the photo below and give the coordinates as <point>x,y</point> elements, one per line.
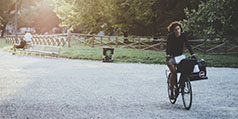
<point>120,55</point>
<point>3,44</point>
<point>78,51</point>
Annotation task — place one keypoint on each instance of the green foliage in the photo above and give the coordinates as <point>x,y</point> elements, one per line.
<point>3,44</point>
<point>133,17</point>
<point>214,18</point>
<point>82,15</point>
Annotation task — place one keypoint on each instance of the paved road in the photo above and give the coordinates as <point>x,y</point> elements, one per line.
<point>51,88</point>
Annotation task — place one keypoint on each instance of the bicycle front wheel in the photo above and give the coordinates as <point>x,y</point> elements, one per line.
<point>187,93</point>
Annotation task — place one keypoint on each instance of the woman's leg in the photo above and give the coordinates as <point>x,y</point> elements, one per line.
<point>172,78</point>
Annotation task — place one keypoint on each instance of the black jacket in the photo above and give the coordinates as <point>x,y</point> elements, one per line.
<point>175,44</point>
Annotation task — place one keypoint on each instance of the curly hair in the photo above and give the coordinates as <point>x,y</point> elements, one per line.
<point>173,25</point>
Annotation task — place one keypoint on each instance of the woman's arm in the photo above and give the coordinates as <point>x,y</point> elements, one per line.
<point>187,44</point>
<point>168,52</point>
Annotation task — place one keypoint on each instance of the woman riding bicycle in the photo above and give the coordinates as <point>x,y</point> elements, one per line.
<point>175,44</point>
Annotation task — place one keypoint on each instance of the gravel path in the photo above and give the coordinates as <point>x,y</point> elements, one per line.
<point>50,88</point>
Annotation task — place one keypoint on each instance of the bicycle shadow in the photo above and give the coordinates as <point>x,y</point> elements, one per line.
<point>169,106</point>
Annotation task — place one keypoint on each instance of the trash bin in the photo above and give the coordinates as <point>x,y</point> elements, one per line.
<point>108,54</point>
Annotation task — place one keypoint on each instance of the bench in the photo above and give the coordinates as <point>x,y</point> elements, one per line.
<point>38,50</point>
<point>41,44</point>
<point>44,49</point>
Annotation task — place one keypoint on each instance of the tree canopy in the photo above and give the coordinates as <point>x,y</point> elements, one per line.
<point>201,18</point>
<point>31,13</point>
<point>44,18</point>
<point>39,15</point>
<point>133,17</point>
<point>213,19</point>
<point>6,13</point>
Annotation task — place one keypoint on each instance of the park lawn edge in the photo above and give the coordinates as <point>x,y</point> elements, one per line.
<point>135,56</point>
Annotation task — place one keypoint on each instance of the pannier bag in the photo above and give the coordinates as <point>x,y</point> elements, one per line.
<point>196,69</point>
<point>186,66</point>
<point>201,73</point>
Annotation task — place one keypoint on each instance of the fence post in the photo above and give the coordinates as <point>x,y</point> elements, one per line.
<point>85,40</point>
<point>225,46</point>
<point>140,43</point>
<point>15,41</point>
<point>68,38</point>
<point>101,40</point>
<point>161,44</point>
<point>6,39</point>
<point>116,41</point>
<point>93,41</point>
<point>41,40</point>
<point>205,49</point>
<point>62,41</point>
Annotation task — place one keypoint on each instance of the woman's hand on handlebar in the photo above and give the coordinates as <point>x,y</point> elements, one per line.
<point>167,57</point>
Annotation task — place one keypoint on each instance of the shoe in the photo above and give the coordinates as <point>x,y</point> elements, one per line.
<point>13,53</point>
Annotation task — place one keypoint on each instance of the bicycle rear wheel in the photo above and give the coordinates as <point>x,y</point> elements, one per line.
<point>169,91</point>
<point>187,93</point>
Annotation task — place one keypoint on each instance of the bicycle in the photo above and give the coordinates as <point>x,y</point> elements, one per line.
<point>182,86</point>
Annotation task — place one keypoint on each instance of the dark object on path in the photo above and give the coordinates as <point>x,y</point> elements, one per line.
<point>108,54</point>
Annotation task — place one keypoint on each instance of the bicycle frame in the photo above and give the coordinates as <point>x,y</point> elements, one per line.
<point>180,84</point>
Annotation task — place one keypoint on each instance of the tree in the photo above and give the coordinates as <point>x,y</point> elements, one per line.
<point>86,16</point>
<point>127,17</point>
<point>31,13</point>
<point>43,16</point>
<point>26,18</point>
<point>121,15</point>
<point>213,19</point>
<point>6,13</point>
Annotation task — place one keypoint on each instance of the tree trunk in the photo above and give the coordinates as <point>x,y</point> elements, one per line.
<point>3,29</point>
